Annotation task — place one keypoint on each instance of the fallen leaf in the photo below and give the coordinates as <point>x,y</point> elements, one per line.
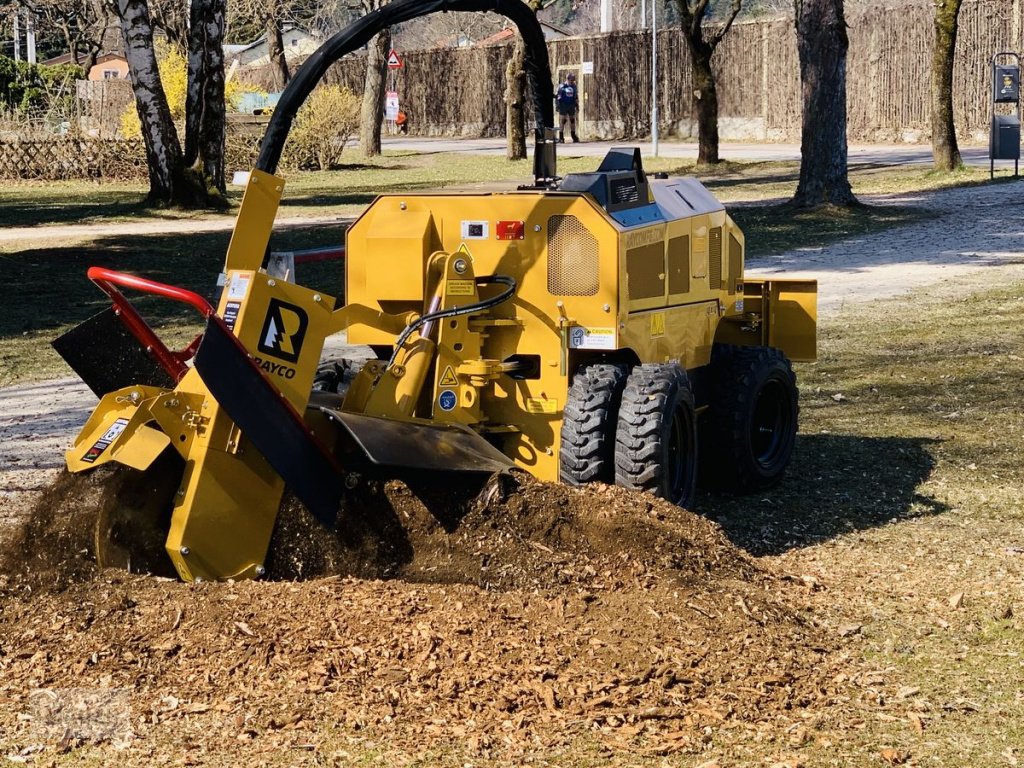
<point>894,756</point>
<point>916,721</point>
<point>956,600</point>
<point>846,630</point>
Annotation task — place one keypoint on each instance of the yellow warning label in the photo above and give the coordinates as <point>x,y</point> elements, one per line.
<point>460,288</point>
<point>657,324</point>
<point>448,378</point>
<point>464,251</point>
<point>541,405</point>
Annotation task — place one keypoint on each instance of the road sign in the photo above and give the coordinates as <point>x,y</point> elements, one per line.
<point>393,61</point>
<point>391,105</point>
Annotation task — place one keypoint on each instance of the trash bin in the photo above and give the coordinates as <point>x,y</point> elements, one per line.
<point>1004,141</point>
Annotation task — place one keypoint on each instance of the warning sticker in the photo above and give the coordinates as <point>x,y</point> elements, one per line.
<point>657,324</point>
<point>105,440</point>
<point>474,230</point>
<point>591,338</point>
<point>238,286</point>
<point>447,400</point>
<point>448,378</point>
<point>541,405</point>
<point>460,288</point>
<point>231,313</point>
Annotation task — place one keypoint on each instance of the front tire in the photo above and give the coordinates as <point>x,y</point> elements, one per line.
<point>748,434</point>
<point>656,439</point>
<point>587,448</point>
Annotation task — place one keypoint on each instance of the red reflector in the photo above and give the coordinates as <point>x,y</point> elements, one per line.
<point>511,230</point>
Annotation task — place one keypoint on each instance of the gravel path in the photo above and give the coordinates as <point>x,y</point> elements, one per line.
<point>978,240</point>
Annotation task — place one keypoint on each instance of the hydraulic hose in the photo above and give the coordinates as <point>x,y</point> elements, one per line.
<point>468,309</point>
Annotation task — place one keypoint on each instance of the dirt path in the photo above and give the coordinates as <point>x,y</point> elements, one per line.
<point>978,240</point>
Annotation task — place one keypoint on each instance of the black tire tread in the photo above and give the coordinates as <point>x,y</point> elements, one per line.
<point>587,447</point>
<point>648,395</point>
<point>725,464</point>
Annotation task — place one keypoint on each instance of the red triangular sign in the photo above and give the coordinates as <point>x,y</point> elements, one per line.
<point>393,61</point>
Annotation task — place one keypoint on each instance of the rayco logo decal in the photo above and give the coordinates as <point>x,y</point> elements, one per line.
<point>284,330</point>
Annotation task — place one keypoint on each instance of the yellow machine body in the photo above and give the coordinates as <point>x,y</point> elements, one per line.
<point>590,285</point>
<point>656,281</point>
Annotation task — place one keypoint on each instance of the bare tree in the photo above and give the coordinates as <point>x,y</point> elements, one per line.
<point>515,97</point>
<point>701,41</point>
<point>374,89</point>
<point>82,23</point>
<point>822,45</point>
<point>945,152</point>
<point>189,179</point>
<point>204,102</point>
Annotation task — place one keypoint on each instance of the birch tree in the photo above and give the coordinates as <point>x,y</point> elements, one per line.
<point>193,178</point>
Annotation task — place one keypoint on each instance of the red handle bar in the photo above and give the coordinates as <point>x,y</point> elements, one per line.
<point>172,362</point>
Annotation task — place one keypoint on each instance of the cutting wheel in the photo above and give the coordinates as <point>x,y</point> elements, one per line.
<point>134,516</point>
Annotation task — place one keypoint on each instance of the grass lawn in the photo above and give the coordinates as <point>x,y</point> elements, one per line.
<point>47,275</point>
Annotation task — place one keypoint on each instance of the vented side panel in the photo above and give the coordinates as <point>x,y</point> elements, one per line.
<point>679,264</point>
<point>645,269</point>
<point>715,258</point>
<point>735,263</point>
<point>572,258</point>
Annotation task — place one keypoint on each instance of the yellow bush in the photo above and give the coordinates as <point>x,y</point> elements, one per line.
<point>173,67</point>
<point>322,127</point>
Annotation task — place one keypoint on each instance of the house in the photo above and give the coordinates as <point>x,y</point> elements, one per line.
<point>551,32</point>
<point>111,65</point>
<point>298,44</point>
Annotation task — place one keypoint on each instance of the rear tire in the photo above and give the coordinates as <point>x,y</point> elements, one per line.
<point>747,435</point>
<point>587,447</point>
<point>656,439</point>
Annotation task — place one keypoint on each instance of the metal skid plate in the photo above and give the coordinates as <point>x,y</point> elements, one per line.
<point>420,446</point>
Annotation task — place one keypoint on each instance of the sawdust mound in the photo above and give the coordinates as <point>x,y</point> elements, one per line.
<point>517,619</point>
<point>511,532</point>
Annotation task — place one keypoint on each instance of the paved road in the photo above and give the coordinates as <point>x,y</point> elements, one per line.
<point>859,154</point>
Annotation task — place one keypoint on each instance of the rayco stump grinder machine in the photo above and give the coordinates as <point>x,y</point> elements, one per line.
<point>591,327</point>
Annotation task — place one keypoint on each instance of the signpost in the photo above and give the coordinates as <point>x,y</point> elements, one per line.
<point>391,108</point>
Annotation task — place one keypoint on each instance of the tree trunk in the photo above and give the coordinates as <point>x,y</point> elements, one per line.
<point>515,92</point>
<point>374,93</point>
<point>945,152</point>
<point>163,150</point>
<point>822,45</point>
<point>275,48</point>
<point>204,105</point>
<point>705,104</point>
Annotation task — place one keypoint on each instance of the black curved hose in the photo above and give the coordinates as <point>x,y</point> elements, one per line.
<point>360,32</point>
<point>477,306</point>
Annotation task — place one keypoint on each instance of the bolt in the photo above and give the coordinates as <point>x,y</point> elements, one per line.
<point>316,298</point>
<point>460,266</point>
<point>271,283</point>
<point>185,551</point>
<point>260,571</point>
<point>402,205</point>
<point>351,480</point>
<point>536,227</point>
<point>607,308</point>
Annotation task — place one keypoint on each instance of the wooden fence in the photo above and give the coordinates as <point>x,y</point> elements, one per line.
<point>460,91</point>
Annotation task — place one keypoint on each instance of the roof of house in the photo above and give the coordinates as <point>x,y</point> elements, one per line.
<point>65,58</point>
<point>508,32</point>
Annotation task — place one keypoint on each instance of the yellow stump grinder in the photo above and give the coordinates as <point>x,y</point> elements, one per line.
<point>593,327</point>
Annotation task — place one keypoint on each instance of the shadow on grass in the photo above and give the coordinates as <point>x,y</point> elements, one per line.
<point>772,228</point>
<point>836,484</point>
<point>50,289</point>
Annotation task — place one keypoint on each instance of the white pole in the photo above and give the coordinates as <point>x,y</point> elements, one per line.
<point>606,15</point>
<point>17,37</point>
<point>30,37</point>
<point>643,14</point>
<point>654,77</point>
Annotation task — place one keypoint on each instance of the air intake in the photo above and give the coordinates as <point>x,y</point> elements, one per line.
<point>572,258</point>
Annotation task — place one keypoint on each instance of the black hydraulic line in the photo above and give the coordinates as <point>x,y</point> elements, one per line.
<point>360,32</point>
<point>468,309</point>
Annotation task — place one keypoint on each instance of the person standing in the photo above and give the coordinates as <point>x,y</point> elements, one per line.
<point>568,102</point>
